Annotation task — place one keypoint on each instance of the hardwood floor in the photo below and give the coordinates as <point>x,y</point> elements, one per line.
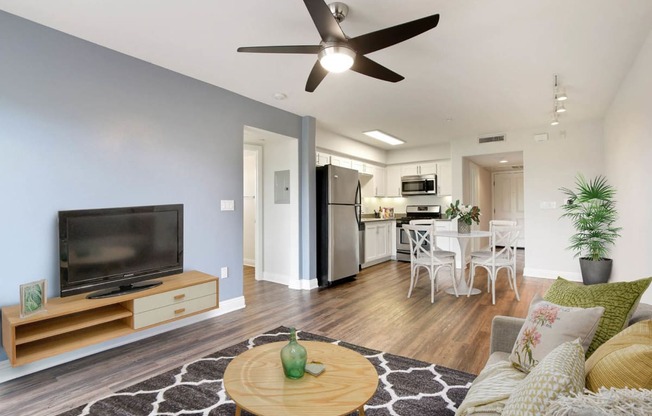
<point>371,310</point>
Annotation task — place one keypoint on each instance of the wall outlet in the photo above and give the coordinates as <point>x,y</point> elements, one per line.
<point>227,205</point>
<point>224,272</point>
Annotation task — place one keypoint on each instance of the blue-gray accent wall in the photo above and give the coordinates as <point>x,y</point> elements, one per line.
<point>82,126</point>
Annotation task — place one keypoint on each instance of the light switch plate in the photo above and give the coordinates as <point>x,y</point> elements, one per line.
<point>227,205</point>
<point>224,272</point>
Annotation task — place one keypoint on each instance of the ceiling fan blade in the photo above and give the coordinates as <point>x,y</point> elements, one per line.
<point>307,49</point>
<point>392,35</point>
<point>317,74</point>
<point>366,66</point>
<point>327,26</point>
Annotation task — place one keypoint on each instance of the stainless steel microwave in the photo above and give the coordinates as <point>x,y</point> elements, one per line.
<point>419,185</point>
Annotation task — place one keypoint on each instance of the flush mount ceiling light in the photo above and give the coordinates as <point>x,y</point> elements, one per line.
<point>336,58</point>
<point>384,137</point>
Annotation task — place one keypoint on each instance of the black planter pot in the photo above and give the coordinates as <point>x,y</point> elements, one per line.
<point>594,272</point>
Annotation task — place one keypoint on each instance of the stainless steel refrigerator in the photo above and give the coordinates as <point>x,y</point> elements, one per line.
<point>338,219</point>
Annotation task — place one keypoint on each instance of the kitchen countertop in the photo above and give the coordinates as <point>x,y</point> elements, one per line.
<point>377,219</point>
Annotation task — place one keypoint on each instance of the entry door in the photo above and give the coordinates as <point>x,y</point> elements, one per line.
<point>509,201</point>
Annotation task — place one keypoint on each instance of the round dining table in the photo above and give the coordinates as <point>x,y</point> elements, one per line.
<point>463,240</point>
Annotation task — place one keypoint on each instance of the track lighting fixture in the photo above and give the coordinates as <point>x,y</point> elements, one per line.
<point>558,98</point>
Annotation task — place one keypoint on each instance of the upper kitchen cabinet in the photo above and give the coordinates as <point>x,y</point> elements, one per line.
<point>373,184</point>
<point>322,159</point>
<point>441,168</point>
<point>419,169</point>
<point>341,161</point>
<point>444,177</point>
<point>393,180</point>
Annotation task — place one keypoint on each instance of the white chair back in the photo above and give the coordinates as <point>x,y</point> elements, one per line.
<point>425,255</point>
<point>431,223</point>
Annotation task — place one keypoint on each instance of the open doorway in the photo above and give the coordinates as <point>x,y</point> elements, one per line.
<point>494,182</point>
<point>271,222</point>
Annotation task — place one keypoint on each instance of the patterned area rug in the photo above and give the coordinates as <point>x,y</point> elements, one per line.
<point>406,386</point>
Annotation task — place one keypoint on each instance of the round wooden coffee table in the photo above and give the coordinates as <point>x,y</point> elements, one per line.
<point>256,383</point>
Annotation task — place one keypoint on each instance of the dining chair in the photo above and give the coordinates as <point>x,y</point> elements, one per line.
<point>424,255</point>
<point>486,251</point>
<point>502,256</point>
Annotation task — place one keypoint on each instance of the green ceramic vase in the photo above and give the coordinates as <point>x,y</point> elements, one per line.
<point>293,357</point>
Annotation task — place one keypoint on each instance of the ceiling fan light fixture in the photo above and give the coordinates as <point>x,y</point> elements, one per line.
<point>336,58</point>
<point>384,137</point>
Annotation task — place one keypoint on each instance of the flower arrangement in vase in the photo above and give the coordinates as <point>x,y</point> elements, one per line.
<point>465,214</point>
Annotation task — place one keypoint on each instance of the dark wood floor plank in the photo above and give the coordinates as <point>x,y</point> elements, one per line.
<point>373,311</point>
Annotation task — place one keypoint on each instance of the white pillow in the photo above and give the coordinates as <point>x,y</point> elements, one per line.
<point>549,325</point>
<point>560,373</point>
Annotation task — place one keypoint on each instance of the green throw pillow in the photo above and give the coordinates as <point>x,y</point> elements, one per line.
<point>618,299</point>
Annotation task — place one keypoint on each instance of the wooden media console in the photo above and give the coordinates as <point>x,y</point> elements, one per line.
<point>74,322</point>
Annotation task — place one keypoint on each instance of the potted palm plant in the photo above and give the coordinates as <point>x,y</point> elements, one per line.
<point>592,209</point>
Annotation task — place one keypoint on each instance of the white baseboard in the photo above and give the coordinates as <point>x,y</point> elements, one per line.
<point>7,372</point>
<point>552,274</point>
<point>302,284</point>
<point>249,262</point>
<point>276,278</point>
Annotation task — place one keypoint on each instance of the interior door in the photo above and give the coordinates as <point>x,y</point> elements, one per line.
<point>509,201</point>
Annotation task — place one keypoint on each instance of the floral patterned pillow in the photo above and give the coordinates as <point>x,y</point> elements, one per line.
<point>549,325</point>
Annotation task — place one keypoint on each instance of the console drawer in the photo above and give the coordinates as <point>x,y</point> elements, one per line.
<point>169,312</point>
<point>173,297</point>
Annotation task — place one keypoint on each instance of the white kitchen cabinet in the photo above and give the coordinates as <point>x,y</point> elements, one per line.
<point>340,161</point>
<point>357,165</point>
<point>393,180</point>
<point>378,241</point>
<point>379,181</point>
<point>444,178</point>
<point>418,169</point>
<point>322,159</point>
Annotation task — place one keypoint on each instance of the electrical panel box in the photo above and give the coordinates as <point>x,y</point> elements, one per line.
<point>282,187</point>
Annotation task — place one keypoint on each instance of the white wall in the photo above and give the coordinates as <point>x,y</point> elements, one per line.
<point>628,146</point>
<point>419,154</point>
<point>334,143</point>
<point>281,225</point>
<point>547,167</point>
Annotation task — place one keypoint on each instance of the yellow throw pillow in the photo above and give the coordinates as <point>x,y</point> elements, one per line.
<point>623,361</point>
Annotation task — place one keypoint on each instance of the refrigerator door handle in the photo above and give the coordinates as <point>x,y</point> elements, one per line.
<point>358,194</point>
<point>358,204</point>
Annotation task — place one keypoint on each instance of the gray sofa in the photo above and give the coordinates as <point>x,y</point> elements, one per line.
<point>505,329</point>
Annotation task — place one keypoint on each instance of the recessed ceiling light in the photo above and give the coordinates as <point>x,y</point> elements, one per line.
<point>280,96</point>
<point>503,161</point>
<point>384,137</point>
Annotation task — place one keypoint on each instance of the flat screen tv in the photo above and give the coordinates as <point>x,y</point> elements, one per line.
<point>119,249</point>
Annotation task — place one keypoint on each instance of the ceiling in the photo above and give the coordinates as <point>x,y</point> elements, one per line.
<point>486,68</point>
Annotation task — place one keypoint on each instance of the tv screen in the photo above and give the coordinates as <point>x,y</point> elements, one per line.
<point>119,247</point>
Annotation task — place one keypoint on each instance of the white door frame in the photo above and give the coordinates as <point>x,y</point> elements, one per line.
<point>258,247</point>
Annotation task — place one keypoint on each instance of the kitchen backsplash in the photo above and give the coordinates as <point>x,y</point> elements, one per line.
<point>398,204</point>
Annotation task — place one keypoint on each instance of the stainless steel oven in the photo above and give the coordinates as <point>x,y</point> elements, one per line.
<point>419,185</point>
<point>412,212</point>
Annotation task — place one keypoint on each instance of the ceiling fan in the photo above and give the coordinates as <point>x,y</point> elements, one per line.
<point>337,53</point>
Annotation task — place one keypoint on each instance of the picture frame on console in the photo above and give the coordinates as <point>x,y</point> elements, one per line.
<point>32,298</point>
